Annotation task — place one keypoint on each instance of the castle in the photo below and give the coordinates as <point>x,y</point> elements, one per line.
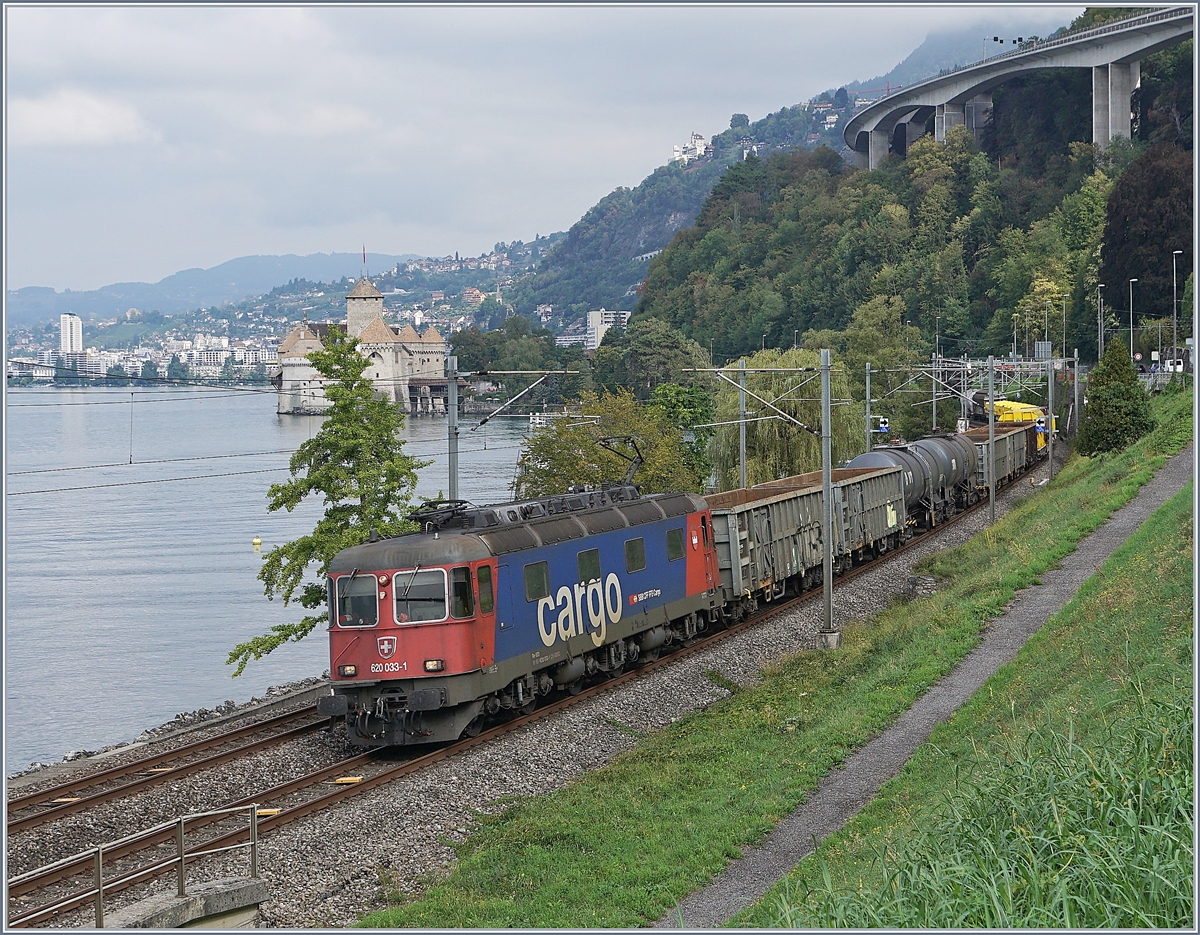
<point>407,368</point>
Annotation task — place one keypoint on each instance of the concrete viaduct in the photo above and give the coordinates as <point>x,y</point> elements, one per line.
<point>1113,51</point>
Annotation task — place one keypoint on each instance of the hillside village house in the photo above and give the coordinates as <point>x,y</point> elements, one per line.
<point>406,367</point>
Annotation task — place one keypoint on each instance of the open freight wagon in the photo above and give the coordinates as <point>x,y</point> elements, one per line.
<point>768,537</point>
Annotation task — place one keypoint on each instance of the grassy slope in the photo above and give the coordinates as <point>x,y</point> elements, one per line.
<point>623,844</point>
<point>967,830</point>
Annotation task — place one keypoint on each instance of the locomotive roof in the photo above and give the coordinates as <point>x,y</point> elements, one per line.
<point>463,542</point>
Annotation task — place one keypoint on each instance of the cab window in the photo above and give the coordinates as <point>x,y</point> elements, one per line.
<point>635,555</point>
<point>589,565</point>
<point>486,603</point>
<point>674,544</point>
<point>537,581</point>
<point>356,599</point>
<point>420,595</point>
<point>462,601</point>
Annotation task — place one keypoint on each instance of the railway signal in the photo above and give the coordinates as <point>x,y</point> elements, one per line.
<point>883,426</point>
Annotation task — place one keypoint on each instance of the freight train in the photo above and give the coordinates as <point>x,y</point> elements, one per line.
<point>487,609</point>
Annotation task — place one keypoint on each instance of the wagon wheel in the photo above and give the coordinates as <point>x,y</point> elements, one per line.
<point>574,688</point>
<point>615,671</point>
<point>650,655</point>
<point>475,727</point>
<point>528,707</point>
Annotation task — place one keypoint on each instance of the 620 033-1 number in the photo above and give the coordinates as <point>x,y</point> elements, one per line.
<point>389,667</point>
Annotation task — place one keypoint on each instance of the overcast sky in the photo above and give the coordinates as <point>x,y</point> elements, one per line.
<point>142,141</point>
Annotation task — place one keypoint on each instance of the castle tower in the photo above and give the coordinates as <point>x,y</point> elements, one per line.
<point>364,303</point>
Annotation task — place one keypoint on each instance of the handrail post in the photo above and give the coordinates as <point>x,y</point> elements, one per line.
<point>254,841</point>
<point>181,891</point>
<point>100,887</point>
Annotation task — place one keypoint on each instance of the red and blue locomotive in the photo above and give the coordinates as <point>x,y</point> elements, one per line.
<point>486,609</point>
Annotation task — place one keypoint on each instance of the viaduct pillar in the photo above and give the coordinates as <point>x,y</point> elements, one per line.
<point>879,141</point>
<point>1112,87</point>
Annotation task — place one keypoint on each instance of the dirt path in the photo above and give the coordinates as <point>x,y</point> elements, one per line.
<point>842,793</point>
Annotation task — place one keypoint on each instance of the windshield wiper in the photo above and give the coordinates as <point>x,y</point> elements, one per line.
<point>411,578</point>
<point>342,591</point>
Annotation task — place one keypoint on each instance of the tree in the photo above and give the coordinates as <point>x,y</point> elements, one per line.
<point>690,409</point>
<point>117,376</point>
<point>568,451</point>
<point>357,463</point>
<point>176,369</point>
<point>1118,410</point>
<point>650,352</point>
<point>775,447</point>
<point>149,373</point>
<point>1149,215</point>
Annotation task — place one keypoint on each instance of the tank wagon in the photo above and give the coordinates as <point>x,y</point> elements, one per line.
<point>938,472</point>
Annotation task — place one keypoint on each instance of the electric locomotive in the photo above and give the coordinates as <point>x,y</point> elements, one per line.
<point>486,609</point>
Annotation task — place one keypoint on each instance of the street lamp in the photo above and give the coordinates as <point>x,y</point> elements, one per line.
<point>1174,306</point>
<point>1064,339</point>
<point>764,342</point>
<point>1131,282</point>
<point>1099,321</point>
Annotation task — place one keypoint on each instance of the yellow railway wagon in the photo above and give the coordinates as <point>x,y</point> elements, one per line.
<point>1009,411</point>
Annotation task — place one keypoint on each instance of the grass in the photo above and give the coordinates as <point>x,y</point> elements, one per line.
<point>623,844</point>
<point>1061,795</point>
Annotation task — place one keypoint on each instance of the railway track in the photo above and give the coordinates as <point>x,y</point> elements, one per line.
<point>76,795</point>
<point>287,802</point>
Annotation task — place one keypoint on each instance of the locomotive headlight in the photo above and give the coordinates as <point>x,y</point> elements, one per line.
<point>434,665</point>
<point>383,579</point>
<point>347,671</point>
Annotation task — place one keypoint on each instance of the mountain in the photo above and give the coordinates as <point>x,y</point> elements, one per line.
<point>940,52</point>
<point>231,281</point>
<point>607,252</point>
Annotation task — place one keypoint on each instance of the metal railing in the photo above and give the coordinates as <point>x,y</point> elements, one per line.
<point>179,859</point>
<point>1110,27</point>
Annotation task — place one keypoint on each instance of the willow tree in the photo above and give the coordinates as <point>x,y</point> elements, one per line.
<point>777,447</point>
<point>570,450</point>
<point>356,463</point>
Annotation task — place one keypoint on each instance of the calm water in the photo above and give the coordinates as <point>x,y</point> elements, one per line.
<point>122,602</point>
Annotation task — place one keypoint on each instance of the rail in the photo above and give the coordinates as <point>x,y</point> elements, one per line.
<point>179,859</point>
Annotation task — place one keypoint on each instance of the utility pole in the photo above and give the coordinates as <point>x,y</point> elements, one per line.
<point>992,435</point>
<point>1131,282</point>
<point>933,395</point>
<point>1077,412</point>
<point>452,424</point>
<point>868,429</point>
<point>1100,320</point>
<point>1064,335</point>
<point>1174,309</point>
<point>742,420</point>
<point>829,637</point>
<point>1050,414</point>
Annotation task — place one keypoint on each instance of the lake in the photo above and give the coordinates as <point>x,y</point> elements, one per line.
<point>127,584</point>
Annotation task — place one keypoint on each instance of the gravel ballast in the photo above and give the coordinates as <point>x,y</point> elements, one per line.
<point>326,870</point>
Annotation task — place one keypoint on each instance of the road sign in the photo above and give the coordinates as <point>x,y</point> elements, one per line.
<point>1137,356</point>
<point>883,425</point>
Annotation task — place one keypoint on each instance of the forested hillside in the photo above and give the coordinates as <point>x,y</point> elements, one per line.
<point>964,242</point>
<point>602,260</point>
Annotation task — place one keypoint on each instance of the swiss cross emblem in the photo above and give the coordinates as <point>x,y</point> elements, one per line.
<point>387,646</point>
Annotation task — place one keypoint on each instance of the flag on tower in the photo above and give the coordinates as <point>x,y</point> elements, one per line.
<point>364,254</point>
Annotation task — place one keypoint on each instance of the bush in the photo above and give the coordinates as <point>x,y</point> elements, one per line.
<point>1118,409</point>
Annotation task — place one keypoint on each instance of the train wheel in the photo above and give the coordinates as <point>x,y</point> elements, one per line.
<point>650,655</point>
<point>574,688</point>
<point>528,707</point>
<point>474,728</point>
<point>616,671</point>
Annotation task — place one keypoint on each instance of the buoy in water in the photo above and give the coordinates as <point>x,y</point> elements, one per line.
<point>256,542</point>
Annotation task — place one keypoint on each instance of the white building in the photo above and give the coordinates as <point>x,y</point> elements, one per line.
<point>694,148</point>
<point>70,334</point>
<point>598,323</point>
<point>407,368</point>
